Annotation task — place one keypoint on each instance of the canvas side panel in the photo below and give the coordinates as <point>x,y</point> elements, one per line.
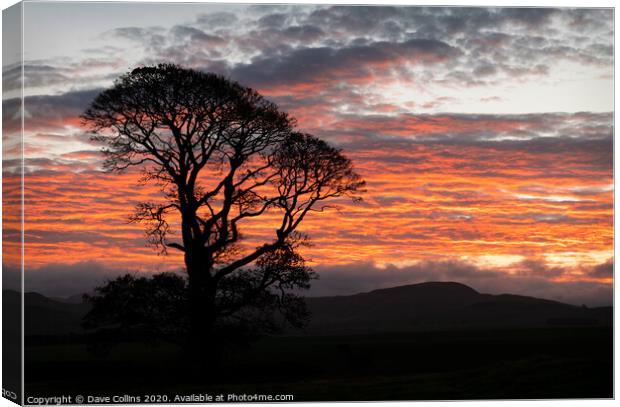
<point>12,204</point>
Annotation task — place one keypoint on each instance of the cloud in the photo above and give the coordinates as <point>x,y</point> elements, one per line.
<point>281,45</point>
<point>529,185</point>
<point>530,17</point>
<point>49,112</point>
<point>273,20</point>
<point>468,190</point>
<point>34,75</point>
<point>213,20</point>
<point>137,34</point>
<point>363,277</point>
<point>535,133</point>
<point>346,64</point>
<point>604,270</point>
<point>182,33</point>
<point>61,75</point>
<point>63,280</point>
<point>302,33</point>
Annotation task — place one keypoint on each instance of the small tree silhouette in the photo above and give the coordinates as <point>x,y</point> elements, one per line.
<point>222,155</point>
<point>152,308</point>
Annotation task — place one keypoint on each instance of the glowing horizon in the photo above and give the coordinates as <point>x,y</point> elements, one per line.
<point>461,121</point>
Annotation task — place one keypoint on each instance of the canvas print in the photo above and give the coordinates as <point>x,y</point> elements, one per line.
<point>211,202</point>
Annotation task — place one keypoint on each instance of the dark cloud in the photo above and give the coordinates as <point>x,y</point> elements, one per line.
<point>538,268</point>
<point>588,19</point>
<point>303,33</point>
<point>312,64</point>
<point>605,270</point>
<point>34,75</point>
<point>71,101</point>
<point>485,69</point>
<point>11,118</point>
<point>358,21</point>
<point>181,33</point>
<point>151,38</point>
<point>49,112</point>
<point>540,132</point>
<point>275,20</point>
<point>64,280</point>
<point>138,34</point>
<point>214,20</point>
<point>478,31</point>
<point>531,17</point>
<point>432,21</point>
<point>63,73</point>
<point>296,44</point>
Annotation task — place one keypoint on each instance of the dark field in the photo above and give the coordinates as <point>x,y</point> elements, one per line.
<point>499,364</point>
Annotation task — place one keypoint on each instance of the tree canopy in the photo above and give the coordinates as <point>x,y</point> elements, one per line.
<point>222,155</point>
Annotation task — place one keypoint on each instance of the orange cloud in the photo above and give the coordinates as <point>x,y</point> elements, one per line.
<point>428,201</point>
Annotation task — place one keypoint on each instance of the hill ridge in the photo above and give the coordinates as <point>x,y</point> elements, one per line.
<point>423,306</point>
<point>406,286</point>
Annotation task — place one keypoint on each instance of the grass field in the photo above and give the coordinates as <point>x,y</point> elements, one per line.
<point>513,364</point>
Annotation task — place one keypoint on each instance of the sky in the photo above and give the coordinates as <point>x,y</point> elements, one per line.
<point>485,136</point>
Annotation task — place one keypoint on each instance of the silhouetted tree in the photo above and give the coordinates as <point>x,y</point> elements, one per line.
<point>222,155</point>
<point>152,307</point>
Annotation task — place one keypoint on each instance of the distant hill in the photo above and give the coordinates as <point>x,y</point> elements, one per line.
<point>442,305</point>
<point>46,316</point>
<point>417,307</point>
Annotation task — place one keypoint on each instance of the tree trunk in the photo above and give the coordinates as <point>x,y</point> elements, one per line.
<point>202,338</point>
